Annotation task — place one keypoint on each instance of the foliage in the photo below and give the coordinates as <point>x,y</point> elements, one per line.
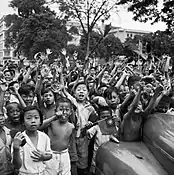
<point>161,42</point>
<point>35,28</point>
<point>107,48</point>
<point>155,11</point>
<point>88,13</point>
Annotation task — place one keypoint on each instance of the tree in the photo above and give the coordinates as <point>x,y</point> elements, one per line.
<point>107,48</point>
<point>35,28</point>
<point>152,10</point>
<point>88,13</point>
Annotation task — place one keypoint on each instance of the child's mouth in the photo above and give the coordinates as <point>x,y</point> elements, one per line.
<point>81,96</point>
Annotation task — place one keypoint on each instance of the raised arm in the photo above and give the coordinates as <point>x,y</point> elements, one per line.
<point>152,102</point>
<point>16,93</point>
<point>134,104</point>
<point>120,81</point>
<point>3,88</point>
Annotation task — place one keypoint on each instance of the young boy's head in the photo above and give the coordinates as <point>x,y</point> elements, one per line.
<point>27,94</point>
<point>81,91</point>
<point>13,112</point>
<point>64,106</point>
<point>112,97</point>
<point>9,74</point>
<point>48,96</point>
<point>31,117</point>
<point>104,112</point>
<point>133,82</point>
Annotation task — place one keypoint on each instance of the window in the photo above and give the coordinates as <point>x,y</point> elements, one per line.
<point>128,35</point>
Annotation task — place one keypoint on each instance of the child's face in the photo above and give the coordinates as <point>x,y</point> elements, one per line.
<point>28,99</point>
<point>92,72</point>
<point>113,100</point>
<point>139,107</point>
<point>7,96</point>
<point>14,113</point>
<point>32,120</point>
<point>8,76</point>
<point>48,97</point>
<point>2,120</point>
<point>91,85</point>
<point>65,108</point>
<point>81,92</point>
<point>105,114</point>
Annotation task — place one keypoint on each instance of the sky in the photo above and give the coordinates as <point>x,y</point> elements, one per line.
<point>124,19</point>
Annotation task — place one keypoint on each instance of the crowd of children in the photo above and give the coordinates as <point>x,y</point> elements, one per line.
<point>50,113</point>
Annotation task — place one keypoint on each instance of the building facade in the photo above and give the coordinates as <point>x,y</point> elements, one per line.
<point>5,53</point>
<point>123,34</point>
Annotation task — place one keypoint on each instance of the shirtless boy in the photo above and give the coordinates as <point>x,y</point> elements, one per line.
<point>60,132</point>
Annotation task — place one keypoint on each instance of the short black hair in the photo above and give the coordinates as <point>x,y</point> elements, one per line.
<point>8,106</point>
<point>26,89</point>
<point>108,92</point>
<point>63,100</point>
<point>79,83</point>
<point>104,108</point>
<point>132,80</point>
<point>30,108</point>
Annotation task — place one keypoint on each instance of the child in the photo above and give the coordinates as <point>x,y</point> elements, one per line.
<point>5,142</point>
<point>48,104</point>
<point>13,120</point>
<point>85,114</point>
<point>30,158</point>
<point>60,132</point>
<point>104,112</point>
<point>133,120</point>
<point>27,94</point>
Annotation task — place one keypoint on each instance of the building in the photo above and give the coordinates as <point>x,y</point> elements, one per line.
<point>122,33</point>
<point>5,53</point>
<point>118,32</point>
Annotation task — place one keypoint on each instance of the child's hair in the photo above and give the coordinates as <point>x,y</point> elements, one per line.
<point>8,106</point>
<point>46,90</point>
<point>30,108</point>
<point>108,92</point>
<point>132,80</point>
<point>26,89</point>
<point>79,83</point>
<point>104,108</point>
<point>63,100</point>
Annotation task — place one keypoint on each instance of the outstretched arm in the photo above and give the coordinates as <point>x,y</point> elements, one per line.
<point>152,102</point>
<point>3,88</point>
<point>134,104</point>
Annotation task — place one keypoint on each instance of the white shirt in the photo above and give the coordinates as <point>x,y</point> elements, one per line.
<point>28,165</point>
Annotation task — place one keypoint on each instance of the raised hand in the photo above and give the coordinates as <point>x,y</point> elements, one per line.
<point>102,101</point>
<point>18,140</point>
<point>55,87</point>
<point>63,51</point>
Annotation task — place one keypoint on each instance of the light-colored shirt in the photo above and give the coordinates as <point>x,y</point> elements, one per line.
<point>99,137</point>
<point>83,113</point>
<point>5,156</point>
<point>28,165</point>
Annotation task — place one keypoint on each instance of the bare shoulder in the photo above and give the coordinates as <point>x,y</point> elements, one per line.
<point>70,125</point>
